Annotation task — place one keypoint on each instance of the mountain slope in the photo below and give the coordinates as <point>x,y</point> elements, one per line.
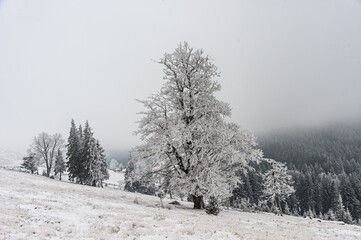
<point>34,207</point>
<point>322,145</point>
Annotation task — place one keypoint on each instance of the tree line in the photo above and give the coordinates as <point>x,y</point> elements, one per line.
<point>325,165</point>
<point>86,160</point>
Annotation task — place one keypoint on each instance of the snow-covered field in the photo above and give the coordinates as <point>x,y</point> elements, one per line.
<point>34,207</point>
<point>116,178</point>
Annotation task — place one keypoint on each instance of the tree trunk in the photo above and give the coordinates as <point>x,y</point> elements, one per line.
<point>60,176</point>
<point>198,202</point>
<point>278,204</point>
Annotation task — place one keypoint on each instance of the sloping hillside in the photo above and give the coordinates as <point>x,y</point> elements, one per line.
<point>325,163</point>
<point>34,207</point>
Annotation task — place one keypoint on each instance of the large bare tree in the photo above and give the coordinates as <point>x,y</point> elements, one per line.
<point>45,146</point>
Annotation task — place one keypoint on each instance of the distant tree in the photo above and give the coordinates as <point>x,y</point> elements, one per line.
<point>128,176</point>
<point>94,168</point>
<point>87,153</point>
<point>113,164</point>
<point>277,183</point>
<point>330,215</point>
<point>30,163</point>
<point>349,197</point>
<point>339,210</point>
<point>334,197</point>
<point>132,184</point>
<point>59,164</point>
<point>187,141</point>
<point>86,157</point>
<point>98,166</point>
<point>74,148</point>
<point>45,147</point>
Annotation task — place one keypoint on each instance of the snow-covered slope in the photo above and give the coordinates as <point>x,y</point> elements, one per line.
<point>116,178</point>
<point>34,207</point>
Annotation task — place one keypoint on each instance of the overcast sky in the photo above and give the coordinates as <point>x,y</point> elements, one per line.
<point>283,63</point>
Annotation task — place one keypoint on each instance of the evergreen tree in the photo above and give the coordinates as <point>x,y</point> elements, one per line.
<point>128,178</point>
<point>98,166</point>
<point>213,207</point>
<point>349,197</point>
<point>59,164</point>
<point>73,155</point>
<point>88,154</point>
<point>287,209</point>
<point>339,209</point>
<point>132,184</point>
<point>277,183</point>
<point>347,218</point>
<point>334,197</point>
<point>30,163</point>
<point>330,215</point>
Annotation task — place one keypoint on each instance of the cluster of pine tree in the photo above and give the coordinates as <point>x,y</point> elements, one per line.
<point>325,165</point>
<point>86,159</point>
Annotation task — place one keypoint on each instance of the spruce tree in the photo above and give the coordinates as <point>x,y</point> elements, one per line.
<point>98,166</point>
<point>347,218</point>
<point>277,183</point>
<point>212,207</point>
<point>128,178</point>
<point>339,209</point>
<point>73,155</point>
<point>88,153</point>
<point>59,164</point>
<point>30,163</point>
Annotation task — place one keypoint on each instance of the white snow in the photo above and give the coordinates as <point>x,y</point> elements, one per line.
<point>35,207</point>
<point>116,178</point>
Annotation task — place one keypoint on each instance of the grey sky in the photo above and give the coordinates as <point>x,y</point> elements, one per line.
<point>282,63</point>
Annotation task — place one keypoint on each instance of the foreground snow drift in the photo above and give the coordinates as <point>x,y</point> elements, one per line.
<point>34,207</point>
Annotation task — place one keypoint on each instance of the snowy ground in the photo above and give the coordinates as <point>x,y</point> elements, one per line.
<point>34,207</point>
<point>116,178</point>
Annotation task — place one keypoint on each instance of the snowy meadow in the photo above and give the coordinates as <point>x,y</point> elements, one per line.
<point>36,207</point>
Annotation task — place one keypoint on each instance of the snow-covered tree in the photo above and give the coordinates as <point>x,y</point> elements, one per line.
<point>59,164</point>
<point>98,166</point>
<point>93,159</point>
<point>86,159</point>
<point>113,164</point>
<point>330,215</point>
<point>340,211</point>
<point>88,153</point>
<point>30,163</point>
<point>45,147</point>
<point>132,184</point>
<point>74,148</point>
<point>188,144</point>
<point>212,207</point>
<point>277,183</point>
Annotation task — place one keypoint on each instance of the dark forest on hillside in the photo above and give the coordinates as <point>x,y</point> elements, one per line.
<point>324,162</point>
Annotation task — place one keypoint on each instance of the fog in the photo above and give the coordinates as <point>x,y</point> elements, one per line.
<point>282,63</point>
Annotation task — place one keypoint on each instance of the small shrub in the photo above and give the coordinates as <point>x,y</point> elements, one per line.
<point>212,207</point>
